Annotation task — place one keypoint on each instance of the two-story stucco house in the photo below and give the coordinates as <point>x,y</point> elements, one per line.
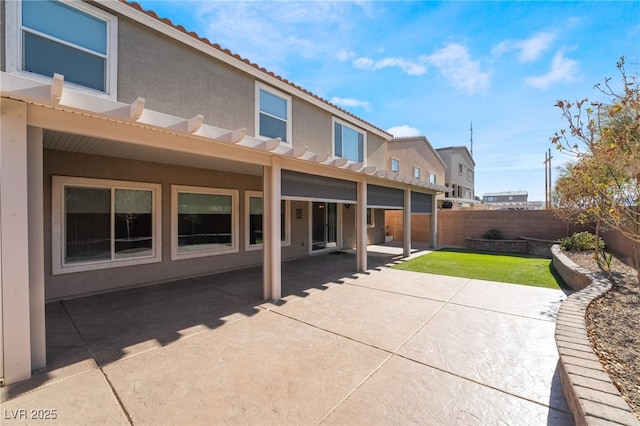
<point>414,156</point>
<point>133,152</point>
<point>459,177</point>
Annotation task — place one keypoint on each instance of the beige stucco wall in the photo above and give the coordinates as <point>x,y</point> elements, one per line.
<point>181,81</point>
<point>69,164</point>
<point>415,153</point>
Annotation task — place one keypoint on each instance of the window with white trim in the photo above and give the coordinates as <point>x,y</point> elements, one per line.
<point>74,39</point>
<point>204,221</point>
<point>348,142</point>
<point>416,172</point>
<point>254,221</point>
<point>395,165</point>
<point>432,178</point>
<point>273,113</point>
<point>98,224</point>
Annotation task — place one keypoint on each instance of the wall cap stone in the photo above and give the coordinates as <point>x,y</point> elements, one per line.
<point>591,395</point>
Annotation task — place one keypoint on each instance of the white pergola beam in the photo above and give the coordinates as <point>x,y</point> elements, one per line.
<point>136,109</point>
<point>194,123</point>
<point>57,85</point>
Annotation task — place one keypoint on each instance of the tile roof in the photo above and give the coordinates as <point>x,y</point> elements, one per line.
<point>216,46</point>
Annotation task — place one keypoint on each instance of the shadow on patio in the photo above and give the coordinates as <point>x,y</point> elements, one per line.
<point>96,330</point>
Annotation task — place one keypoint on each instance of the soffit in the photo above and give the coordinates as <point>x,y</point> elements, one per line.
<point>80,144</point>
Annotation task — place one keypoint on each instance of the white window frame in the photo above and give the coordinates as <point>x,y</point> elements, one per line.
<point>58,230</point>
<point>352,127</point>
<point>261,86</point>
<point>235,225</point>
<point>247,212</point>
<point>13,46</point>
<point>433,178</point>
<point>396,162</point>
<point>416,172</point>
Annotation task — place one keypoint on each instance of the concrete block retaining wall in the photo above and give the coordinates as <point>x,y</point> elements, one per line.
<point>592,397</point>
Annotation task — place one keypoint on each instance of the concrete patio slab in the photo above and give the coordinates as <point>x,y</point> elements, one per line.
<point>532,302</point>
<point>406,392</point>
<point>514,354</point>
<point>380,347</point>
<point>267,369</point>
<point>84,399</point>
<point>411,283</point>
<point>365,315</point>
<point>116,326</point>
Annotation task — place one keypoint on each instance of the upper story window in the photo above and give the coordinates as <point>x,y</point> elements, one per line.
<point>348,142</point>
<point>432,178</point>
<point>470,175</point>
<point>273,115</point>
<point>69,38</point>
<point>416,172</point>
<point>395,165</point>
<point>460,168</point>
<point>98,224</point>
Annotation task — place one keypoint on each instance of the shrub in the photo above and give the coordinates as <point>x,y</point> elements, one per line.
<point>581,241</point>
<point>493,234</point>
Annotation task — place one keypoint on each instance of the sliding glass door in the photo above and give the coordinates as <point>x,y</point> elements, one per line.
<point>324,226</point>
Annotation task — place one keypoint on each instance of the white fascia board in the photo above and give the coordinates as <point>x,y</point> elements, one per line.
<point>143,18</point>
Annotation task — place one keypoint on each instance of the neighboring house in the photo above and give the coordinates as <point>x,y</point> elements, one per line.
<point>134,152</point>
<point>414,156</point>
<point>510,200</point>
<point>459,177</point>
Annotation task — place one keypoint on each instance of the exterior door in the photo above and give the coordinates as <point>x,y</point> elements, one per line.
<point>324,226</point>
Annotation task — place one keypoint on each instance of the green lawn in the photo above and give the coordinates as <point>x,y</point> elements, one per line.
<point>507,268</point>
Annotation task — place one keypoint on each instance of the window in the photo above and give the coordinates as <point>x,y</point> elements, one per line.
<point>73,39</point>
<point>348,142</point>
<point>395,165</point>
<point>371,215</point>
<point>254,223</point>
<point>98,224</point>
<point>470,175</point>
<point>416,172</point>
<point>432,178</point>
<point>273,114</point>
<point>204,221</point>
<point>459,169</point>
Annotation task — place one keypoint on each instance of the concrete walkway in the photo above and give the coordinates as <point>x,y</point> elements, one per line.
<point>386,347</point>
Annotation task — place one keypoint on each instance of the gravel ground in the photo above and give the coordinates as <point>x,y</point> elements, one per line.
<point>613,326</point>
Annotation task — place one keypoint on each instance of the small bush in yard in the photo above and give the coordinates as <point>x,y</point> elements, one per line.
<point>581,241</point>
<point>493,234</point>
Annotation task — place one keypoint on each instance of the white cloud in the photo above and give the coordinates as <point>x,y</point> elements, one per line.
<point>408,67</point>
<point>530,49</point>
<point>348,102</point>
<point>344,55</point>
<point>562,70</point>
<point>455,64</point>
<point>403,131</point>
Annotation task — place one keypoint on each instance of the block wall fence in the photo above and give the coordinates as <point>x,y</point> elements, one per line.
<point>456,225</point>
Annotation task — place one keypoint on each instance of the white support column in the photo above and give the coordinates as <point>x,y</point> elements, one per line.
<point>14,247</point>
<point>361,225</point>
<point>272,256</point>
<point>36,247</point>
<point>434,221</point>
<point>407,222</point>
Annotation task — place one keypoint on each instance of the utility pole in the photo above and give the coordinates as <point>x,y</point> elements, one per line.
<point>547,179</point>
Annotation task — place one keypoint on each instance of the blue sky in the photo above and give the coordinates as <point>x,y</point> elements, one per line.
<point>431,68</point>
